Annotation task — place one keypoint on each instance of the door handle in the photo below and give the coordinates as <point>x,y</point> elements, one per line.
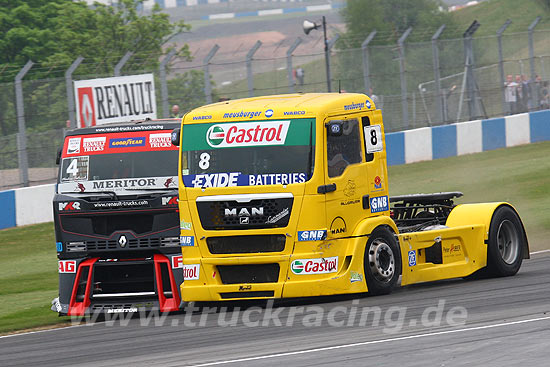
<point>323,189</point>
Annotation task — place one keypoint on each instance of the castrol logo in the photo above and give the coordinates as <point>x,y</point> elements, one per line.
<point>247,134</point>
<point>191,271</point>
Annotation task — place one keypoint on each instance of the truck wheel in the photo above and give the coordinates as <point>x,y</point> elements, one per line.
<point>506,243</point>
<point>382,262</point>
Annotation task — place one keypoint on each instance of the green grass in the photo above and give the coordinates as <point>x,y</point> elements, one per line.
<point>492,14</point>
<point>519,175</point>
<point>28,277</point>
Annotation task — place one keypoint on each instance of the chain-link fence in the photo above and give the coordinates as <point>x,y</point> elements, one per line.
<point>440,81</point>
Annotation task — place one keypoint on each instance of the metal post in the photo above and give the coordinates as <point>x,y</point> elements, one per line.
<point>440,103</point>
<point>122,61</point>
<point>404,102</point>
<point>250,77</point>
<point>366,71</point>
<point>22,135</point>
<point>534,91</point>
<point>206,63</point>
<point>505,109</point>
<point>163,83</point>
<point>70,90</point>
<point>330,44</point>
<point>327,55</point>
<point>470,65</point>
<point>289,64</point>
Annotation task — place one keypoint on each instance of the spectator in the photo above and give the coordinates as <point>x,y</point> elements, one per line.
<point>175,111</point>
<point>544,96</point>
<point>520,103</point>
<point>374,97</point>
<point>510,89</point>
<point>300,75</point>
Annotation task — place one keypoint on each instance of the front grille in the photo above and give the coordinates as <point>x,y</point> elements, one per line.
<point>123,277</point>
<point>227,295</point>
<point>105,224</point>
<point>231,214</point>
<point>246,244</point>
<point>257,273</point>
<point>133,244</point>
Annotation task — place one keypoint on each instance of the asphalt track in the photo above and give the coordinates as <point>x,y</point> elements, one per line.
<point>489,322</point>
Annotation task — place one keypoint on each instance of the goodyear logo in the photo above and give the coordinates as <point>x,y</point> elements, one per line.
<point>127,142</point>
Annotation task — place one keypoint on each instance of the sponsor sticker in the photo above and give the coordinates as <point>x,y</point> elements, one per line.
<point>355,277</point>
<point>313,235</point>
<point>237,179</point>
<point>95,144</point>
<point>269,113</point>
<point>66,266</point>
<point>247,134</point>
<point>169,200</point>
<point>177,262</point>
<point>122,310</point>
<point>160,140</point>
<point>205,117</point>
<point>315,266</point>
<point>412,258</point>
<point>368,104</point>
<point>73,146</point>
<point>379,204</point>
<point>69,206</point>
<point>187,241</point>
<point>354,106</point>
<point>277,217</point>
<point>114,184</point>
<point>127,142</point>
<point>186,226</point>
<point>59,246</point>
<point>377,182</point>
<point>294,113</point>
<point>191,271</point>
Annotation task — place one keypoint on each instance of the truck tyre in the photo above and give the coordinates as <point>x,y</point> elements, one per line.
<point>382,261</point>
<point>506,243</point>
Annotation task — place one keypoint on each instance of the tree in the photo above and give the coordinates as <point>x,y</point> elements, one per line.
<point>391,18</point>
<point>186,89</point>
<point>53,33</point>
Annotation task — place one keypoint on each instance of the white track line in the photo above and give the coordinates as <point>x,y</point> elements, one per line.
<point>417,336</point>
<point>538,252</point>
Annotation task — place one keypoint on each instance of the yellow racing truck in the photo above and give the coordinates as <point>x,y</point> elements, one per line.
<point>287,196</point>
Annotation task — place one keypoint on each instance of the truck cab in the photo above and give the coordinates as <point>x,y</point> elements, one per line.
<point>287,196</point>
<point>116,219</point>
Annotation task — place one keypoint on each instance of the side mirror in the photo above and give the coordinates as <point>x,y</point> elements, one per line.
<point>58,156</point>
<point>335,128</point>
<point>175,137</point>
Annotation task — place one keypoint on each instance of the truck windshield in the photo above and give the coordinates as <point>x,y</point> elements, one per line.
<point>248,153</point>
<point>118,162</point>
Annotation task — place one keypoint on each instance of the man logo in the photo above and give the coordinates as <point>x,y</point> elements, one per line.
<point>86,110</point>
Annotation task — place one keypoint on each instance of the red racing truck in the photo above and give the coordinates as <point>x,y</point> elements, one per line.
<point>116,219</point>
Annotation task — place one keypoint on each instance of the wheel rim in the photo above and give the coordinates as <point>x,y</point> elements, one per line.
<point>381,261</point>
<point>508,242</point>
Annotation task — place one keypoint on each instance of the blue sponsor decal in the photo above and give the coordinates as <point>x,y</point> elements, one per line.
<point>314,235</point>
<point>127,142</point>
<point>354,106</point>
<point>368,104</point>
<point>237,179</point>
<point>294,113</point>
<point>412,258</point>
<point>379,204</point>
<point>269,113</point>
<point>187,241</point>
<point>59,246</point>
<point>249,114</point>
<point>206,117</point>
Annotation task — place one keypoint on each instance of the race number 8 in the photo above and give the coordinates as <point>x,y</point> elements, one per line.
<point>204,161</point>
<point>373,138</point>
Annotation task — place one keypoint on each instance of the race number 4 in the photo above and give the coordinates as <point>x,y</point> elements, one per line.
<point>373,138</point>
